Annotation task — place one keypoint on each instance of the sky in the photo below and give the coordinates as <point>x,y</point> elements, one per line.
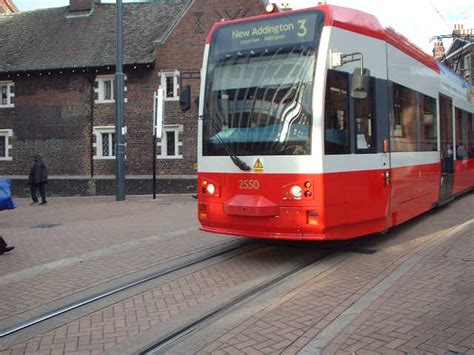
<point>418,20</point>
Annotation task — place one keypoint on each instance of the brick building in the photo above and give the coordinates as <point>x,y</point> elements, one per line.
<point>460,54</point>
<point>57,91</point>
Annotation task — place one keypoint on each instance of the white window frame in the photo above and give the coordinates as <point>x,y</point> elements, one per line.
<point>163,144</point>
<point>98,131</point>
<point>100,89</point>
<point>167,74</point>
<point>467,64</point>
<point>7,133</point>
<point>10,94</point>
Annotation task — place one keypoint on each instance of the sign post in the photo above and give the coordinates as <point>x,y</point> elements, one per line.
<point>158,116</point>
<point>119,109</point>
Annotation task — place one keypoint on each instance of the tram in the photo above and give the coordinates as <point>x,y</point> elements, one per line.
<point>320,124</point>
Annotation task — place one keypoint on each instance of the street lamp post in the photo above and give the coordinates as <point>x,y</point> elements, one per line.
<point>119,112</point>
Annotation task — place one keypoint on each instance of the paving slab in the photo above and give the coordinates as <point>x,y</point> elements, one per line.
<point>414,295</point>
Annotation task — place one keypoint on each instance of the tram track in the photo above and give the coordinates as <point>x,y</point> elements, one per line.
<point>239,272</point>
<point>174,337</point>
<point>188,262</point>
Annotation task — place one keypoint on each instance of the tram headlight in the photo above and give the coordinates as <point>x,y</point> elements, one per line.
<point>211,189</point>
<point>296,191</point>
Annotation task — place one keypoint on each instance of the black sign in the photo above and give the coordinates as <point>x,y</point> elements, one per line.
<point>274,31</point>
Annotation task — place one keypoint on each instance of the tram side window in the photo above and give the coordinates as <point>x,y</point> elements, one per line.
<point>336,114</point>
<point>462,148</point>
<point>428,124</point>
<point>470,134</point>
<point>365,124</point>
<point>404,132</point>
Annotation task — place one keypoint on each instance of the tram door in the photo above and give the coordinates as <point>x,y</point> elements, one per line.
<point>447,151</point>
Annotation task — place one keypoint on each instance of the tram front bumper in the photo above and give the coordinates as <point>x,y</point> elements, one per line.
<point>288,223</point>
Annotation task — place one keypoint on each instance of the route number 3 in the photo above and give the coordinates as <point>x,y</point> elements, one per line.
<point>249,184</point>
<point>303,30</point>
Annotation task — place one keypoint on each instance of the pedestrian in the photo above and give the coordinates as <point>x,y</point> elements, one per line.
<point>38,179</point>
<point>4,248</point>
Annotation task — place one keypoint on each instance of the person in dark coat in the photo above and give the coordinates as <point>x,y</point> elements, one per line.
<point>4,248</point>
<point>38,179</point>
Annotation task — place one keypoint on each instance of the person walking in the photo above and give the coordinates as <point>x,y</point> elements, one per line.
<point>4,248</point>
<point>38,179</point>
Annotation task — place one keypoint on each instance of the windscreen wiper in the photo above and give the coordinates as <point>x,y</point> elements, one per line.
<point>235,159</point>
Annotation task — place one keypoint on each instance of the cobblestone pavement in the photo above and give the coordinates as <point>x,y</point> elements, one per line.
<point>76,244</point>
<point>412,295</point>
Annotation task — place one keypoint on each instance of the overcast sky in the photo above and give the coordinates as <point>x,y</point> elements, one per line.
<point>419,20</point>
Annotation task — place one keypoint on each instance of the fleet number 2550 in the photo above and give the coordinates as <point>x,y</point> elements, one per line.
<point>249,184</point>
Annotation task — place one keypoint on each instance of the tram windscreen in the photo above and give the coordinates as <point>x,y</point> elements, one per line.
<point>259,86</point>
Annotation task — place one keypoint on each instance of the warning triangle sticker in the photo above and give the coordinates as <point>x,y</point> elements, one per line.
<point>258,166</point>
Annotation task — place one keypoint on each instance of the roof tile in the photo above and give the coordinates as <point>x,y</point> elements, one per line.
<point>48,39</point>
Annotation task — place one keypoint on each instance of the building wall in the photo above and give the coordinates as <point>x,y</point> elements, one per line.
<point>55,113</point>
<point>188,39</point>
<point>456,63</point>
<point>51,117</point>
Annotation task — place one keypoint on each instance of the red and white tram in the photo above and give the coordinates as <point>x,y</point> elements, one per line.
<point>321,124</point>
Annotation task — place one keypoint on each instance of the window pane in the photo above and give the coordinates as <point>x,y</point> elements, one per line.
<point>428,124</point>
<point>3,150</point>
<point>170,143</point>
<point>467,64</point>
<point>365,123</point>
<point>105,144</point>
<point>4,96</point>
<point>336,114</point>
<point>404,125</point>
<point>461,134</point>
<point>169,86</point>
<point>113,143</point>
<point>107,89</point>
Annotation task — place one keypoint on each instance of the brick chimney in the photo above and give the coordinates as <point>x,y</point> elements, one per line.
<point>438,50</point>
<point>82,5</point>
<point>7,7</point>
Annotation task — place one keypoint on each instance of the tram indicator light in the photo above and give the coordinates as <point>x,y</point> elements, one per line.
<point>312,218</point>
<point>202,211</point>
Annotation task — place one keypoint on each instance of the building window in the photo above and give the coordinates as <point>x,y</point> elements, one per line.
<point>170,145</point>
<point>6,94</point>
<point>170,84</point>
<point>104,142</point>
<point>105,89</point>
<point>5,146</point>
<point>467,66</point>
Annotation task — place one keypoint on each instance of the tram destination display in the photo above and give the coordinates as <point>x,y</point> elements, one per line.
<point>279,31</point>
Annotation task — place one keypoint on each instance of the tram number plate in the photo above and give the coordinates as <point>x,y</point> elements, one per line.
<point>249,184</point>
